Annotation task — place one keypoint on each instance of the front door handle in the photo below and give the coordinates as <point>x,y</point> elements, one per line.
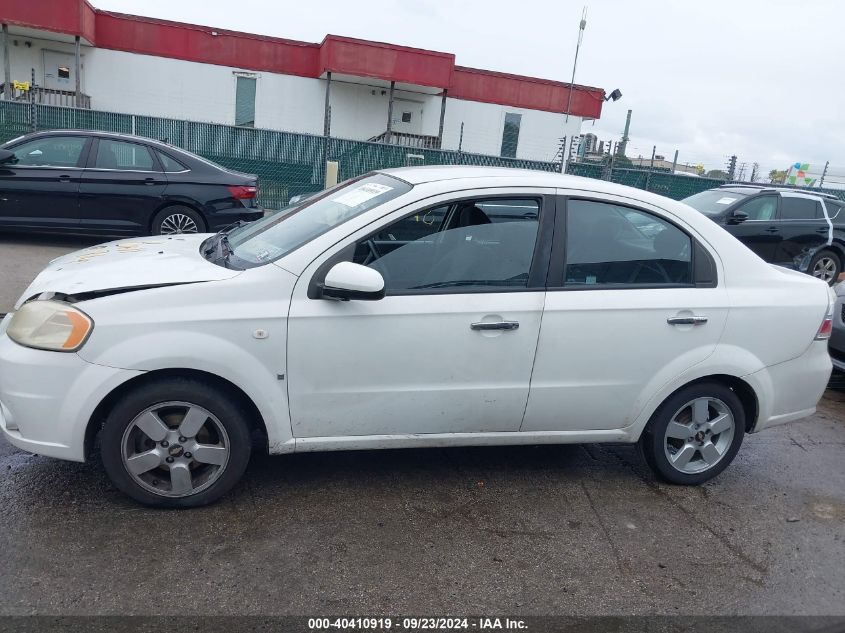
<point>64,178</point>
<point>687,320</point>
<point>149,181</point>
<point>772,229</point>
<point>495,325</point>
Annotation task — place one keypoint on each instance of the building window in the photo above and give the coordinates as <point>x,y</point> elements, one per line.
<point>245,101</point>
<point>406,117</point>
<point>510,135</point>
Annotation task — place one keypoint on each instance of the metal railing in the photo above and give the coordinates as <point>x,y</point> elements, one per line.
<point>406,139</point>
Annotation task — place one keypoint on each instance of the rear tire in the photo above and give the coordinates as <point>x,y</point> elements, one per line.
<point>695,434</point>
<point>826,266</point>
<point>175,443</point>
<point>177,220</point>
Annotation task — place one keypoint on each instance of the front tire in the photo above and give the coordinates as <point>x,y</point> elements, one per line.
<point>176,443</point>
<point>826,266</point>
<point>695,434</point>
<point>177,220</point>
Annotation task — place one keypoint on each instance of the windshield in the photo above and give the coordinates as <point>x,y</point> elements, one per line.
<point>286,230</point>
<point>714,201</point>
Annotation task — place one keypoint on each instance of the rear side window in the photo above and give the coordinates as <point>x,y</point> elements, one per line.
<point>793,208</point>
<point>123,156</point>
<point>171,165</point>
<point>611,245</point>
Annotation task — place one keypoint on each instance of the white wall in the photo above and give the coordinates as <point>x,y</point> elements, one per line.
<point>539,132</point>
<point>157,86</point>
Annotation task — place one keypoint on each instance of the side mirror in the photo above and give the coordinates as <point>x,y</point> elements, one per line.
<point>6,156</point>
<point>737,217</point>
<point>347,281</point>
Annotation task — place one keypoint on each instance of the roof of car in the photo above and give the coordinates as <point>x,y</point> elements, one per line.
<point>118,135</point>
<point>742,187</point>
<point>515,177</point>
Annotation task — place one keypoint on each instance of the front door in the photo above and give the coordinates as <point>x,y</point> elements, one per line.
<point>122,188</point>
<point>40,187</point>
<point>407,116</point>
<point>59,71</point>
<point>761,232</point>
<point>616,326</point>
<point>450,348</point>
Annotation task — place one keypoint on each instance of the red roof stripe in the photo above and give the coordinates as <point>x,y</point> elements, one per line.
<point>342,55</point>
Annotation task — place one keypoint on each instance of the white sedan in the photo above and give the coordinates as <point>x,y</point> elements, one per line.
<point>434,306</point>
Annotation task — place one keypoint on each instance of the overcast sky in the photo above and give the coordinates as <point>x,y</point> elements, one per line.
<point>759,78</point>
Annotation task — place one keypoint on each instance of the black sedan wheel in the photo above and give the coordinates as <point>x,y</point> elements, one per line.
<point>177,220</point>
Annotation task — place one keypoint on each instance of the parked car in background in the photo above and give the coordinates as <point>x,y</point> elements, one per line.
<point>799,229</point>
<point>429,306</point>
<point>117,184</point>
<point>836,344</point>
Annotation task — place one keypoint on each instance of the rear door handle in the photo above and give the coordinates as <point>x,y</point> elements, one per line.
<point>149,181</point>
<point>687,320</point>
<point>824,230</point>
<point>495,325</point>
<point>64,178</point>
<point>772,229</point>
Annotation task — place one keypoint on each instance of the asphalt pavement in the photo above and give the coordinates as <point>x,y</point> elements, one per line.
<point>580,530</point>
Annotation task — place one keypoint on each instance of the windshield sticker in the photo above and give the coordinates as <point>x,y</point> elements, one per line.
<point>725,200</point>
<point>361,194</point>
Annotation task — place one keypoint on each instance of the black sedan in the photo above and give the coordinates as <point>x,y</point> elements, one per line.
<point>117,184</point>
<point>797,228</point>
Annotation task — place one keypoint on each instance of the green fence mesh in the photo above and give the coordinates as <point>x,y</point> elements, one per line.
<point>289,163</point>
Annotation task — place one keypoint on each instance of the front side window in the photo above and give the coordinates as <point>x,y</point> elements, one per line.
<point>478,245</point>
<point>612,245</point>
<point>123,156</point>
<point>53,151</point>
<point>762,208</point>
<point>284,231</point>
<point>793,208</point>
<point>714,202</point>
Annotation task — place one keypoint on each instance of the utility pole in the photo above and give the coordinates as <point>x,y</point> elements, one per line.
<point>824,173</point>
<point>581,26</point>
<point>732,167</point>
<point>755,168</point>
<point>675,161</point>
<point>741,175</point>
<point>651,167</point>
<point>622,146</point>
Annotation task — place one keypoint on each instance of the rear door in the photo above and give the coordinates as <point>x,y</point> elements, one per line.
<point>616,324</point>
<point>121,188</point>
<point>40,188</point>
<point>803,230</point>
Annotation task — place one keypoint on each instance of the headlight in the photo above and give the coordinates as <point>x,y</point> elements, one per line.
<point>50,325</point>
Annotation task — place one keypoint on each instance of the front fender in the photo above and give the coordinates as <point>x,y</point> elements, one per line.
<point>255,369</point>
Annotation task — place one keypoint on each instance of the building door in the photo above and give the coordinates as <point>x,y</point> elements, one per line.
<point>407,116</point>
<point>59,71</point>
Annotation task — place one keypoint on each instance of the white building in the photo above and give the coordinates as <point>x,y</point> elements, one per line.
<point>344,87</point>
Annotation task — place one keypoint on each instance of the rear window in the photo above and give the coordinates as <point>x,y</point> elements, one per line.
<point>170,165</point>
<point>714,201</point>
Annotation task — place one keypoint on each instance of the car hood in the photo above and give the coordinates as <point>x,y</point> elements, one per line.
<point>127,265</point>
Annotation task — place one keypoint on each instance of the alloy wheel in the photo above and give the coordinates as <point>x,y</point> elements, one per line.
<point>175,449</point>
<point>699,435</point>
<point>177,223</point>
<point>825,269</point>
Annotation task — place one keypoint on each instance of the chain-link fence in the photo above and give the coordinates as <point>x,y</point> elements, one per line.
<point>286,163</point>
<point>290,163</point>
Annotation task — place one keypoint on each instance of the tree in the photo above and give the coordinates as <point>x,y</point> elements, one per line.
<point>717,173</point>
<point>777,176</point>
